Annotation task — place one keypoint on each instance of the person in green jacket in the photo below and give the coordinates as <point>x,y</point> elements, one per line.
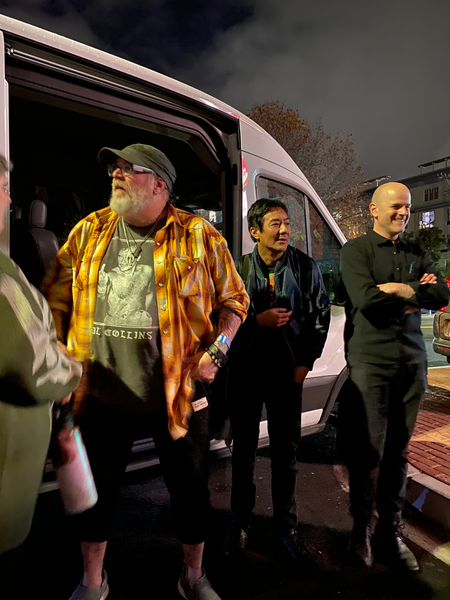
<point>34,373</point>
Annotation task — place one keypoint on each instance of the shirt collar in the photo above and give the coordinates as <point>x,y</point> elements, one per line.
<point>379,240</point>
<point>172,216</point>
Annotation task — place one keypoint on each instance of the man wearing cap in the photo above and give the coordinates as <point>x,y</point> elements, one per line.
<point>148,297</point>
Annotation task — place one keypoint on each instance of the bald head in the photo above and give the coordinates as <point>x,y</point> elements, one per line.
<point>390,208</point>
<point>390,190</point>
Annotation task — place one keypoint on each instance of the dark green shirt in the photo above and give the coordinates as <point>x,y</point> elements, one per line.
<point>377,330</point>
<point>127,370</point>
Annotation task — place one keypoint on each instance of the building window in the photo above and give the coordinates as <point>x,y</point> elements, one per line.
<point>431,194</point>
<point>448,215</point>
<point>426,220</point>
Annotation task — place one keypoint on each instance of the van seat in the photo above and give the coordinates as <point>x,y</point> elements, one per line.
<point>38,246</point>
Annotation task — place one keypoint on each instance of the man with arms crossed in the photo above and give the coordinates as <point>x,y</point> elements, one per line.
<point>148,297</point>
<point>273,351</point>
<point>387,281</point>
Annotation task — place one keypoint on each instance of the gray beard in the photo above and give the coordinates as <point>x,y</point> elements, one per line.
<point>129,205</point>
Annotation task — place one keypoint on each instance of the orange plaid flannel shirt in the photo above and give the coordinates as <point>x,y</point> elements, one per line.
<point>195,278</point>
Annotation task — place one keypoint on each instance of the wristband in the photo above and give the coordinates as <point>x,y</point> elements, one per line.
<point>217,356</point>
<point>223,338</point>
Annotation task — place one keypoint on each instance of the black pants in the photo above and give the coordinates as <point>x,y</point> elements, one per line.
<point>109,436</point>
<point>376,420</point>
<point>283,399</point>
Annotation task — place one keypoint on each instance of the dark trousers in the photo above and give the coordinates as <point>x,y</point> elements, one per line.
<point>283,399</point>
<point>376,420</point>
<point>109,436</point>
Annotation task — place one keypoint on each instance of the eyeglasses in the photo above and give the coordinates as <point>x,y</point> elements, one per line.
<point>127,169</point>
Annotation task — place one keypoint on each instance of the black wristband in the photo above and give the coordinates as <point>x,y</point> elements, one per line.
<point>218,357</point>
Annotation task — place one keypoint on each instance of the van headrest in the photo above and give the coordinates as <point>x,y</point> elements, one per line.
<point>38,214</point>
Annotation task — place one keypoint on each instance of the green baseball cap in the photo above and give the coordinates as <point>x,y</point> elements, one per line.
<point>143,156</point>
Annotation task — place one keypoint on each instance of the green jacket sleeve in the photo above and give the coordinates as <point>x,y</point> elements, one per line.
<point>32,368</point>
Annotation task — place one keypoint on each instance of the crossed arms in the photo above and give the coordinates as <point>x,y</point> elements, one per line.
<point>389,300</point>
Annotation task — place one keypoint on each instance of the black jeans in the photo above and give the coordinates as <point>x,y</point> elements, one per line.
<point>376,420</point>
<point>283,399</point>
<point>109,435</point>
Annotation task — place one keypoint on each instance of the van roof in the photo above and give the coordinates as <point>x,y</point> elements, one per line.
<point>270,150</point>
<point>99,57</point>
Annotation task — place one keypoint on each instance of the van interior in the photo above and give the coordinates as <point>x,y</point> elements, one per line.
<point>54,143</point>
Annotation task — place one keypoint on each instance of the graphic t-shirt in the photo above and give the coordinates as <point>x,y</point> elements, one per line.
<point>270,297</point>
<point>127,371</point>
<point>270,346</point>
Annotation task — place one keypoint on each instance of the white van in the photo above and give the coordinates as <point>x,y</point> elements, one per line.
<point>62,101</point>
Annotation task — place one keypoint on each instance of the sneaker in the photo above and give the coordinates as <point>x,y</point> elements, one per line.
<point>236,541</point>
<point>200,589</point>
<point>295,546</point>
<point>359,548</point>
<point>391,550</point>
<point>86,593</point>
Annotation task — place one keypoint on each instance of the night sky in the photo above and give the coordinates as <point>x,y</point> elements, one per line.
<point>378,69</point>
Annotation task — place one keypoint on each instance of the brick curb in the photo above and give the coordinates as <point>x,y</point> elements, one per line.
<point>428,487</point>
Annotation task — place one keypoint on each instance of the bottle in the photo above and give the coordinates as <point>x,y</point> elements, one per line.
<point>72,468</point>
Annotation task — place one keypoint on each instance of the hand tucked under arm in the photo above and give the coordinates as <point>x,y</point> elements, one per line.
<point>428,278</point>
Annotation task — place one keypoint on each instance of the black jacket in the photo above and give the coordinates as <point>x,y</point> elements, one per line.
<point>299,287</point>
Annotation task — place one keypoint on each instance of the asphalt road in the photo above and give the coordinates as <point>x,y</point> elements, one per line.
<point>144,559</point>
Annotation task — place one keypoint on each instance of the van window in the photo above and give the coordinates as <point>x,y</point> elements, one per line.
<point>295,202</point>
<point>325,249</point>
<point>322,244</point>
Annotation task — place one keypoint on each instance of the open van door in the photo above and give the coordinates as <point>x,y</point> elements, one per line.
<point>61,112</point>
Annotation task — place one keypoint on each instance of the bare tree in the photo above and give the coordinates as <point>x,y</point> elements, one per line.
<point>328,161</point>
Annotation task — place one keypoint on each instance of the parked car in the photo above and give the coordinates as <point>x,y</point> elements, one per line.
<point>441,329</point>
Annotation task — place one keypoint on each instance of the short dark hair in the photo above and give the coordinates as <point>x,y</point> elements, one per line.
<point>258,210</point>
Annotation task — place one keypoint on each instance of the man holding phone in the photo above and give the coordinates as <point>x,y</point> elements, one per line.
<point>270,357</point>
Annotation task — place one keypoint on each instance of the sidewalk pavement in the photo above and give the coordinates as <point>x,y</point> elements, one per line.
<point>428,487</point>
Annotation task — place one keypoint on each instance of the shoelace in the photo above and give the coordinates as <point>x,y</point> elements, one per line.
<point>399,531</point>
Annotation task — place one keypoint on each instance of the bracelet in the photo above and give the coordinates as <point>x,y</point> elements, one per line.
<point>218,357</point>
<point>223,338</point>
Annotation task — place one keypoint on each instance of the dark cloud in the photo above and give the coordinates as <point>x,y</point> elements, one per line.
<point>160,34</point>
<point>377,70</point>
<point>374,69</point>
